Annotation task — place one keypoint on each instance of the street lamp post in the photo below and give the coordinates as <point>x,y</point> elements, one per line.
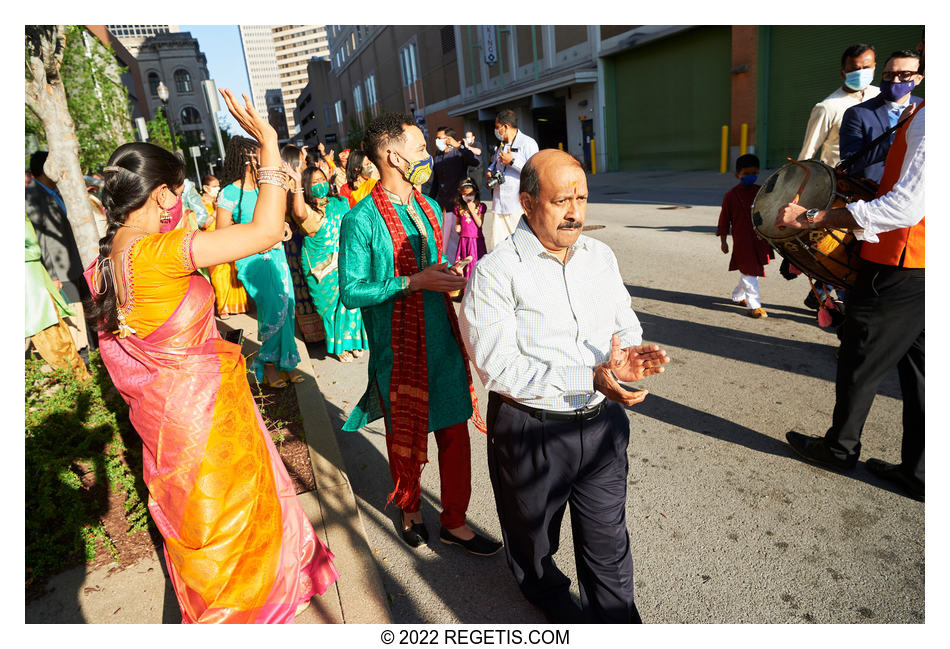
<point>163,95</point>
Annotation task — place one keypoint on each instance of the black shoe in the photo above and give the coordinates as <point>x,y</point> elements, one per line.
<point>478,544</point>
<point>816,451</point>
<point>894,473</point>
<point>416,535</point>
<point>564,612</point>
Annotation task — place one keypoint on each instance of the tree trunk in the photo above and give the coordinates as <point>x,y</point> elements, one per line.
<point>46,97</point>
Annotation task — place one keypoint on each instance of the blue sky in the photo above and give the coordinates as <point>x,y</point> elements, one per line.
<point>222,45</point>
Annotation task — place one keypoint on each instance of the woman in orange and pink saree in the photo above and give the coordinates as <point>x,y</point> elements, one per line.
<point>238,545</point>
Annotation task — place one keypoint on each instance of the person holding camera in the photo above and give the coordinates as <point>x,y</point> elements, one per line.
<point>503,178</point>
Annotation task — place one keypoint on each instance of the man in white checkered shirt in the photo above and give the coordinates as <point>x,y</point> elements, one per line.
<point>547,322</point>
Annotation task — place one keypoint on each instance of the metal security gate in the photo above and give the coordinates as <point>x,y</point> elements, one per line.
<point>672,97</point>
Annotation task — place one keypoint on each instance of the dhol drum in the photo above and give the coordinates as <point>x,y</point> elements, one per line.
<point>828,255</point>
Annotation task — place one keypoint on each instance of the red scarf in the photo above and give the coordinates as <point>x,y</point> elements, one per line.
<point>409,384</point>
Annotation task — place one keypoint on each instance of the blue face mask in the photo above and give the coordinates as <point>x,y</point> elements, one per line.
<point>893,91</point>
<point>748,180</point>
<point>859,79</point>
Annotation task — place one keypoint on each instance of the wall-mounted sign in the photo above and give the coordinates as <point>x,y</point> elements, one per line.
<point>490,45</point>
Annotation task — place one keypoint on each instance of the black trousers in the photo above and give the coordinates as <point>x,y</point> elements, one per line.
<point>537,468</point>
<point>884,327</point>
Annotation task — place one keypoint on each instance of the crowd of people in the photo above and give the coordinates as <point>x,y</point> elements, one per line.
<point>348,248</point>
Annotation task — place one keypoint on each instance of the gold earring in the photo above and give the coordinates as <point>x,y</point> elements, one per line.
<point>164,216</point>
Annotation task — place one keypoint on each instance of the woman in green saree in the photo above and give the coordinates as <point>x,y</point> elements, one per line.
<point>345,333</point>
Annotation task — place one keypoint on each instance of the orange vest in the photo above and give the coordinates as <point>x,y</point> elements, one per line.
<point>905,242</point>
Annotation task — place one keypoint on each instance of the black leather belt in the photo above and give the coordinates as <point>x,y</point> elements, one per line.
<point>581,414</point>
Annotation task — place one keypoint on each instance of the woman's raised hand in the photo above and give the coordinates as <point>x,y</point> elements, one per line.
<point>253,124</point>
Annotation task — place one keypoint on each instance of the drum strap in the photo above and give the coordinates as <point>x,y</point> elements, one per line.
<point>850,160</point>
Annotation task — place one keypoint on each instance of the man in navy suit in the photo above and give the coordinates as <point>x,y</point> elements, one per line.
<point>866,121</point>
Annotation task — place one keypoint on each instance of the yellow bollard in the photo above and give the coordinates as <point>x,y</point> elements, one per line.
<point>743,139</point>
<point>560,146</point>
<point>724,155</point>
<point>593,159</point>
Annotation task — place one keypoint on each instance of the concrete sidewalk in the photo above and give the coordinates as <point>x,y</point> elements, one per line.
<point>142,592</point>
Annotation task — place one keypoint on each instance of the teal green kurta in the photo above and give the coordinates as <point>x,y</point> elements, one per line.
<point>368,282</point>
<point>43,299</point>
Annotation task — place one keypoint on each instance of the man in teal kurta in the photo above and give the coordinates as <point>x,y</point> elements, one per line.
<point>370,279</point>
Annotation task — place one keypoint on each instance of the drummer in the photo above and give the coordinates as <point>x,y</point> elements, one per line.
<point>884,325</point>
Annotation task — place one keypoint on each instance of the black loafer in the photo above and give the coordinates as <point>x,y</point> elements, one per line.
<point>894,473</point>
<point>416,535</point>
<point>478,544</point>
<point>815,450</point>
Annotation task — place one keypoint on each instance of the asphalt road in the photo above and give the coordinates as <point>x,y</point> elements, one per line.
<point>725,525</point>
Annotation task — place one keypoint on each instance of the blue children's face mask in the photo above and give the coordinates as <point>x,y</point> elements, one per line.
<point>859,79</point>
<point>748,180</point>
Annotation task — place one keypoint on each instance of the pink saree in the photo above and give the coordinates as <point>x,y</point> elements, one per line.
<point>238,546</point>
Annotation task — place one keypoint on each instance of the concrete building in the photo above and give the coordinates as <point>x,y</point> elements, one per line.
<point>175,59</point>
<point>260,60</point>
<point>619,97</point>
<point>132,36</point>
<point>294,46</point>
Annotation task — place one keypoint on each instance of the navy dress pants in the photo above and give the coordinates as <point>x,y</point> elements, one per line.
<point>540,466</point>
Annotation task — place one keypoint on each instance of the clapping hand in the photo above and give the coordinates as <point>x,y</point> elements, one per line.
<point>627,365</point>
<point>253,124</point>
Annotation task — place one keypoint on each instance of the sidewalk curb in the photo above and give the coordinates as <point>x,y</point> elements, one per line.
<point>332,507</point>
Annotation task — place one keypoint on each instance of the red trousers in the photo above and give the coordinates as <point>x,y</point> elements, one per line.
<point>455,473</point>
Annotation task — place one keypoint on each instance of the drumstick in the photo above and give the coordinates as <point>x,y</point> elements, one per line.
<point>801,187</point>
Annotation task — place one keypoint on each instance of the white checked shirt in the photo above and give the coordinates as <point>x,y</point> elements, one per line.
<point>535,328</point>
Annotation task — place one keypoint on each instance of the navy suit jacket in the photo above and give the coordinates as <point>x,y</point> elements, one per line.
<point>860,125</point>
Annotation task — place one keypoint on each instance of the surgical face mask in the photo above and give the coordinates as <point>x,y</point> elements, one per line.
<point>892,91</point>
<point>859,79</point>
<point>212,191</point>
<point>470,140</point>
<point>419,171</point>
<point>320,190</point>
<point>748,180</point>
<point>440,144</point>
<point>468,198</point>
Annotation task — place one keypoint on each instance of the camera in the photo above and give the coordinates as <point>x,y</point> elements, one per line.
<point>497,178</point>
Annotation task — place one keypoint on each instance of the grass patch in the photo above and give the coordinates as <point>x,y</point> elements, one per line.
<point>80,447</point>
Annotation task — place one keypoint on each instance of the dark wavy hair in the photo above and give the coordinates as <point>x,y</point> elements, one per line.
<point>467,183</point>
<point>239,151</point>
<point>354,165</point>
<point>290,154</point>
<point>142,168</point>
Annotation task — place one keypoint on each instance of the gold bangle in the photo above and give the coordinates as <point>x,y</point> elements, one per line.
<point>265,181</point>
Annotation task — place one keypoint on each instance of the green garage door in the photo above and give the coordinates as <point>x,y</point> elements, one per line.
<point>800,65</point>
<point>669,100</point>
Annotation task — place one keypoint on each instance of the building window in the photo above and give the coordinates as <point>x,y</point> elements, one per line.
<point>190,115</point>
<point>153,82</point>
<point>182,81</point>
<point>371,93</point>
<point>358,102</point>
<point>448,39</point>
<point>338,108</point>
<point>410,71</point>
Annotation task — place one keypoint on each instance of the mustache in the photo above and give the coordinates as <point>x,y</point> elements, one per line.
<point>570,225</point>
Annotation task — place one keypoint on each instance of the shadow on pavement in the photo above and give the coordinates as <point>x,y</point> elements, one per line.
<point>477,590</point>
<point>704,423</point>
<point>812,359</point>
<point>699,229</point>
